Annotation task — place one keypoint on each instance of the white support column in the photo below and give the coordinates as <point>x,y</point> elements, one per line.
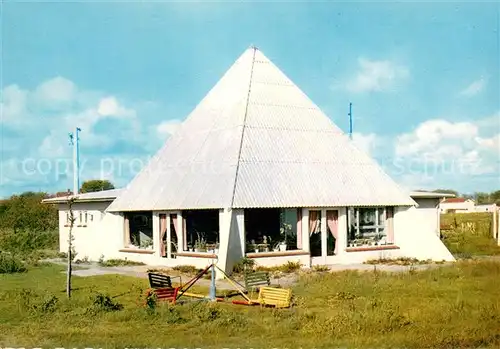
<point>305,230</point>
<point>324,236</point>
<point>156,234</point>
<point>225,218</point>
<point>180,239</point>
<point>240,220</point>
<point>169,237</point>
<point>342,231</point>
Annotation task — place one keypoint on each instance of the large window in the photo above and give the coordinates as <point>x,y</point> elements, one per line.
<point>201,230</point>
<point>369,226</point>
<point>272,229</point>
<point>139,229</point>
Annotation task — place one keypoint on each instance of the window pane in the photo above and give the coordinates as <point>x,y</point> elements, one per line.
<point>371,228</point>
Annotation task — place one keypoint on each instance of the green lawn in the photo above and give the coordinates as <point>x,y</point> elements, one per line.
<point>450,307</point>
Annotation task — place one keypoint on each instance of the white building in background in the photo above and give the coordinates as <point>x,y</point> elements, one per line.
<point>462,205</point>
<point>458,205</point>
<point>257,170</point>
<point>486,208</point>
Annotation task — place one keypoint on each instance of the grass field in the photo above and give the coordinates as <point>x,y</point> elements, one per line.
<point>450,307</point>
<point>469,234</point>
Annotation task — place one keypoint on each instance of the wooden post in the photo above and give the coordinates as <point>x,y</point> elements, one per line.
<point>497,224</point>
<point>494,225</point>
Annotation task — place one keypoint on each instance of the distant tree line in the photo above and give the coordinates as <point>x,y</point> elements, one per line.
<point>480,198</point>
<point>25,212</point>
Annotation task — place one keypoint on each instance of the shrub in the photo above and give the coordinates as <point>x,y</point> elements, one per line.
<point>25,242</point>
<point>320,268</point>
<point>11,264</point>
<point>84,260</point>
<point>117,262</point>
<point>48,305</point>
<point>242,264</point>
<point>103,302</point>
<point>205,312</point>
<point>186,269</point>
<point>290,267</point>
<point>151,301</point>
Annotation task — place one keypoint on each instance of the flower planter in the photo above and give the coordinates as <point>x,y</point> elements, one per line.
<point>282,247</point>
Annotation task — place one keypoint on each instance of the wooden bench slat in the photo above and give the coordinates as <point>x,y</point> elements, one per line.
<point>166,294</point>
<point>278,297</point>
<point>159,280</point>
<point>256,279</point>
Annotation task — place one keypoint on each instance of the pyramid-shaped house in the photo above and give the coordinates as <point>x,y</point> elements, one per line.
<point>258,170</point>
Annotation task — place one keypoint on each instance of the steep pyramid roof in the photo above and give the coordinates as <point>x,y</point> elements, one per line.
<point>256,140</point>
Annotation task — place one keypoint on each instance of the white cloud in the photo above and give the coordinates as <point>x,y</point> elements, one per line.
<point>167,128</point>
<point>377,76</point>
<point>436,138</point>
<point>55,92</point>
<point>492,143</point>
<point>447,151</point>
<point>474,88</point>
<point>52,147</point>
<point>109,106</point>
<point>13,103</point>
<point>365,142</point>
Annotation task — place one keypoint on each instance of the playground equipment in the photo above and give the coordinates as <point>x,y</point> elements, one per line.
<point>268,296</point>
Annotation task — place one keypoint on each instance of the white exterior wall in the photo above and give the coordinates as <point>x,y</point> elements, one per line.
<point>416,237</point>
<point>89,241</point>
<point>428,214</point>
<point>414,233</point>
<point>486,208</point>
<point>466,206</point>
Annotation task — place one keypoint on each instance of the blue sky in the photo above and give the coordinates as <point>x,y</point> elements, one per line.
<point>423,79</point>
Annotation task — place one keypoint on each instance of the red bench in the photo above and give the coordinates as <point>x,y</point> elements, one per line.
<point>164,294</point>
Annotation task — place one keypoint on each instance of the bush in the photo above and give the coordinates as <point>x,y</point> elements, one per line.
<point>290,267</point>
<point>186,269</point>
<point>26,212</point>
<point>103,302</point>
<point>47,305</point>
<point>320,268</point>
<point>26,242</point>
<point>117,262</point>
<point>11,264</point>
<point>242,264</point>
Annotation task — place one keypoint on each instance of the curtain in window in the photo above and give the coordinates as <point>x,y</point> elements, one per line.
<point>163,232</point>
<point>299,228</point>
<point>313,222</point>
<point>389,224</point>
<point>332,219</point>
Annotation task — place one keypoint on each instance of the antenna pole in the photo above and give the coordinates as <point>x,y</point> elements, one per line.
<point>350,120</point>
<point>75,141</point>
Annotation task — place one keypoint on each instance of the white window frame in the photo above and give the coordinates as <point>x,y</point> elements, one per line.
<point>379,228</point>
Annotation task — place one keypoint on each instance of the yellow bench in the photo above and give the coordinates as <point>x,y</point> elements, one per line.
<point>278,297</point>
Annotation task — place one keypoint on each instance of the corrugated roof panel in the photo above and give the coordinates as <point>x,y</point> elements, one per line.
<point>269,142</point>
<point>289,118</point>
<point>311,185</point>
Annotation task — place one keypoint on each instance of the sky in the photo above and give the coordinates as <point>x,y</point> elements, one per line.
<point>423,79</point>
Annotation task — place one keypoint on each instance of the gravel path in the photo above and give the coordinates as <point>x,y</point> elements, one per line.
<point>285,280</point>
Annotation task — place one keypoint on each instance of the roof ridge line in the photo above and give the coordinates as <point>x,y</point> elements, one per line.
<point>244,126</point>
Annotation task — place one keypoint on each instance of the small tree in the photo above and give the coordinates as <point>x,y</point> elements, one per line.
<point>69,270</point>
<point>96,185</point>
